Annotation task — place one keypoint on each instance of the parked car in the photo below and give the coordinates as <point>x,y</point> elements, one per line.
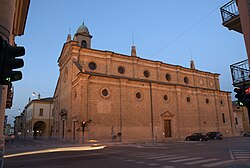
<point>196,137</point>
<point>214,135</point>
<point>246,134</point>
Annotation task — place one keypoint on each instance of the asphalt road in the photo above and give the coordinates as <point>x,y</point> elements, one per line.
<point>229,152</point>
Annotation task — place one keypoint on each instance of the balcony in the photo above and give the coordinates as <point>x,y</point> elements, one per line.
<point>230,16</point>
<point>240,73</point>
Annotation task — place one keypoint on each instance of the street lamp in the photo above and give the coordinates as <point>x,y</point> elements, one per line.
<point>34,94</point>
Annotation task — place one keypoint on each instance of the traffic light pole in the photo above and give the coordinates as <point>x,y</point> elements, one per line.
<point>3,96</point>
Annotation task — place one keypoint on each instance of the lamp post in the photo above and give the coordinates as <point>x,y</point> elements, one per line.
<point>38,95</point>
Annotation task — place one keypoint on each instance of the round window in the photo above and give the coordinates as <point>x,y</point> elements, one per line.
<point>92,65</point>
<point>186,80</point>
<point>168,77</point>
<point>138,95</point>
<point>222,102</point>
<point>165,97</point>
<point>207,101</point>
<point>188,99</point>
<point>146,73</point>
<point>105,93</point>
<point>121,69</point>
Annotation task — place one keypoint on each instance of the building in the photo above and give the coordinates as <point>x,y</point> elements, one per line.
<point>241,117</point>
<point>236,16</point>
<point>107,96</point>
<point>18,126</point>
<point>38,118</point>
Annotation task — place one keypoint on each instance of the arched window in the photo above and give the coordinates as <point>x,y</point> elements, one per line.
<point>84,44</point>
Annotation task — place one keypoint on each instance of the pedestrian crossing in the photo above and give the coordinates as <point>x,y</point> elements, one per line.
<point>240,154</point>
<point>171,160</point>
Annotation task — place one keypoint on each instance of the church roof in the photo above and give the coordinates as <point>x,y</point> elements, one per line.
<point>82,29</point>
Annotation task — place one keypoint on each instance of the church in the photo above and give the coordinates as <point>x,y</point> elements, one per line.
<point>107,96</point>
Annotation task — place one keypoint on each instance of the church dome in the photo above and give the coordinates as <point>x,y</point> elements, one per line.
<point>82,29</point>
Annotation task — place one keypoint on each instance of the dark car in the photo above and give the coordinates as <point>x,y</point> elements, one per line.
<point>196,137</point>
<point>214,135</point>
<point>246,134</point>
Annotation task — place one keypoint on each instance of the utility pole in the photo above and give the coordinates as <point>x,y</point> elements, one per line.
<point>3,96</point>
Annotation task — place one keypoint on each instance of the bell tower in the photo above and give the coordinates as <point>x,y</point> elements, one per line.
<point>83,37</point>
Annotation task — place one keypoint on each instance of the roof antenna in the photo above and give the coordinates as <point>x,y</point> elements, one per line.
<point>191,54</point>
<point>133,38</point>
<point>192,65</point>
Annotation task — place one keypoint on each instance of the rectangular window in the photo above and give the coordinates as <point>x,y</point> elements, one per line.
<point>236,121</point>
<point>41,112</point>
<point>223,118</point>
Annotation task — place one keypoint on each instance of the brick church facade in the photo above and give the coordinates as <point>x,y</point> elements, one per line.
<point>131,99</point>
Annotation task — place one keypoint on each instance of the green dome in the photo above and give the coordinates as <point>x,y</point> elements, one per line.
<point>82,29</point>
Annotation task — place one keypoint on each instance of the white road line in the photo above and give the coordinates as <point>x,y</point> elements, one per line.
<point>158,157</point>
<point>200,161</point>
<point>187,159</point>
<point>129,160</point>
<point>140,154</point>
<point>172,158</point>
<point>243,157</point>
<point>242,154</point>
<point>167,166</point>
<point>218,163</point>
<point>148,155</point>
<point>231,154</point>
<point>247,152</point>
<point>153,164</point>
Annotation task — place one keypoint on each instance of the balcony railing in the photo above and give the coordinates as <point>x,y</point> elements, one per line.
<point>240,72</point>
<point>229,11</point>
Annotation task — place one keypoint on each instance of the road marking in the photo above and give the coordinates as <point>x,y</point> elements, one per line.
<point>167,166</point>
<point>200,161</point>
<point>153,164</point>
<point>146,155</point>
<point>129,160</point>
<point>218,163</point>
<point>187,159</point>
<point>172,158</point>
<point>158,157</point>
<point>231,155</point>
<point>239,154</point>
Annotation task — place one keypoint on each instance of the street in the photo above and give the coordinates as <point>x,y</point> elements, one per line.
<point>229,152</point>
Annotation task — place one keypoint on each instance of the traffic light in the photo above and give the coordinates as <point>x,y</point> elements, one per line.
<point>247,96</point>
<point>240,96</point>
<point>10,94</point>
<point>8,62</point>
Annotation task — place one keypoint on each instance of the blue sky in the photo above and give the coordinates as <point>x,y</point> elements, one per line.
<point>193,26</point>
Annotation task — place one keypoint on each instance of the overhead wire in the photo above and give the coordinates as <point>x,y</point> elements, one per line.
<point>191,27</point>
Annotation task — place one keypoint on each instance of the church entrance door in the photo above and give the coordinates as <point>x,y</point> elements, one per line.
<point>167,128</point>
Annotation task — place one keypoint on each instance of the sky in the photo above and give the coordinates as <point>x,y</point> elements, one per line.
<point>171,31</point>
